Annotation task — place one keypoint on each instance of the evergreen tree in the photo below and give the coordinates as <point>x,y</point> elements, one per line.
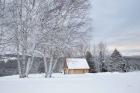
<point>90,61</point>
<point>117,62</point>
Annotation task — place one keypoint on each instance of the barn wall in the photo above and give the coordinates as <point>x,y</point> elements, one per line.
<point>75,71</point>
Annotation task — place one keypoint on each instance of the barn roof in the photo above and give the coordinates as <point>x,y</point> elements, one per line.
<point>77,63</point>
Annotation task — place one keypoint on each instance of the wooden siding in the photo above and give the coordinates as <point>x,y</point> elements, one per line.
<point>75,71</point>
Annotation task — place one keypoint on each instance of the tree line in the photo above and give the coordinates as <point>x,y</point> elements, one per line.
<point>103,61</point>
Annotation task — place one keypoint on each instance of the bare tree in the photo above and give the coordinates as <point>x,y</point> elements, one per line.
<point>45,27</point>
<point>18,19</point>
<point>62,22</point>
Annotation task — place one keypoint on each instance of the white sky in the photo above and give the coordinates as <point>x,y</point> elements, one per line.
<point>117,22</point>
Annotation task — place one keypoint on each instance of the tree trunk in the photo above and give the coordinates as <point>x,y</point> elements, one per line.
<point>28,67</point>
<point>23,67</point>
<point>54,65</point>
<point>18,61</point>
<point>45,65</point>
<point>30,63</point>
<point>50,68</point>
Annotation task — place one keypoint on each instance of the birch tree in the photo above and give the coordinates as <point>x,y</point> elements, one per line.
<point>64,26</point>
<point>19,16</point>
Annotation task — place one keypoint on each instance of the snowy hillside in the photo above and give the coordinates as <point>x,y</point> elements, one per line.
<point>86,83</point>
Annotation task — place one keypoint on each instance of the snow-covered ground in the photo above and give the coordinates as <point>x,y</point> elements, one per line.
<point>86,83</point>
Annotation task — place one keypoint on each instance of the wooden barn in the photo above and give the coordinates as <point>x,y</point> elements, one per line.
<point>76,66</point>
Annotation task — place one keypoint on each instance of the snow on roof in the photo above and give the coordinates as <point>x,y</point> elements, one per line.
<point>77,63</point>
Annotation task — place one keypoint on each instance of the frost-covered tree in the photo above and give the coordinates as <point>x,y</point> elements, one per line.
<point>18,28</point>
<point>102,57</point>
<point>22,15</point>
<point>64,25</point>
<point>117,62</point>
<point>100,52</point>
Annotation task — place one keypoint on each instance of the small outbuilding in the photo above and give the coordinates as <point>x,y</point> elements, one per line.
<point>76,66</point>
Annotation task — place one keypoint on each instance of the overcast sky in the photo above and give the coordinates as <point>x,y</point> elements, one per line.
<point>117,22</point>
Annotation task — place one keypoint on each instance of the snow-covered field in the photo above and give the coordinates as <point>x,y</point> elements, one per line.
<point>86,83</point>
